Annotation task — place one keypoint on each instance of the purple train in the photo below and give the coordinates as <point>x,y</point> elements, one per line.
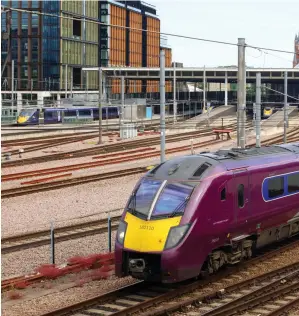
<point>193,214</point>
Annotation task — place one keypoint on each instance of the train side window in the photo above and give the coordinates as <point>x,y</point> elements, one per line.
<point>275,187</point>
<point>241,195</point>
<point>293,182</point>
<point>223,194</point>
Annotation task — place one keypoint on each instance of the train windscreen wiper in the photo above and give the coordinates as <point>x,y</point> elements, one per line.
<point>177,210</point>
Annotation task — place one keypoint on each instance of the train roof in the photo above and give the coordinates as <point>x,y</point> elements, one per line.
<point>195,167</point>
<point>79,108</point>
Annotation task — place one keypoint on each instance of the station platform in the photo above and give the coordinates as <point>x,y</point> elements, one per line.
<point>277,119</point>
<point>214,118</point>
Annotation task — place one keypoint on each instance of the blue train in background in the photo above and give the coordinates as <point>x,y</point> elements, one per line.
<point>35,116</point>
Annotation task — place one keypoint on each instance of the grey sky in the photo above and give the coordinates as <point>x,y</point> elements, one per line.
<point>265,23</point>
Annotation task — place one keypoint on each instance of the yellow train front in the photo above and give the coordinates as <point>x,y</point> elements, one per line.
<point>154,235</point>
<point>28,117</point>
<point>267,112</point>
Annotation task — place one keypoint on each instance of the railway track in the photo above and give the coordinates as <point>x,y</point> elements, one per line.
<point>100,149</point>
<point>108,159</point>
<point>29,189</point>
<point>56,140</point>
<point>39,187</point>
<point>152,300</point>
<point>104,149</point>
<point>41,238</point>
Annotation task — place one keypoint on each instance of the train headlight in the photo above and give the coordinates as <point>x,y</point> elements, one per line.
<point>121,232</point>
<point>175,235</point>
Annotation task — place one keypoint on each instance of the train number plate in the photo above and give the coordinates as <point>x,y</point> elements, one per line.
<point>146,227</point>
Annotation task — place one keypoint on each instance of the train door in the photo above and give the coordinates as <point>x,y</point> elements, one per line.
<point>241,188</point>
<point>59,116</point>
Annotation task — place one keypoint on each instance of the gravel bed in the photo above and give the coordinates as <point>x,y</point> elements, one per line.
<point>57,300</point>
<point>62,149</point>
<point>44,304</point>
<point>279,261</point>
<point>59,163</point>
<point>39,209</point>
<point>25,261</point>
<point>35,211</point>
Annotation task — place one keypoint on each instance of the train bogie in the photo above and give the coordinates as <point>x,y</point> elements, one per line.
<point>194,214</point>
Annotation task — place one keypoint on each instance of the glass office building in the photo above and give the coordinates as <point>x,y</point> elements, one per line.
<point>42,46</point>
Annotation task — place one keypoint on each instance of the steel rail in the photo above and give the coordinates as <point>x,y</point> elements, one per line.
<point>53,185</point>
<point>106,148</point>
<point>41,238</point>
<point>146,297</point>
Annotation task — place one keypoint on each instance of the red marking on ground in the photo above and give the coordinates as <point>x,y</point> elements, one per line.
<point>101,264</point>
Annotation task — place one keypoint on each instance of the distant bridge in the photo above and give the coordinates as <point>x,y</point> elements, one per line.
<point>270,75</point>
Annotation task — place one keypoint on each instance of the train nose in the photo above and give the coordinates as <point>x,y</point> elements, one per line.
<point>22,119</point>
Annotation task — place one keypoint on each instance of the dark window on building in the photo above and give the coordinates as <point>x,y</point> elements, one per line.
<point>275,187</point>
<point>223,194</point>
<point>76,28</point>
<point>76,76</point>
<point>241,195</point>
<point>201,169</point>
<point>293,183</point>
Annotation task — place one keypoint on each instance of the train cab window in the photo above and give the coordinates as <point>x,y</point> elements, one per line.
<point>275,187</point>
<point>241,195</point>
<point>223,194</point>
<point>293,182</point>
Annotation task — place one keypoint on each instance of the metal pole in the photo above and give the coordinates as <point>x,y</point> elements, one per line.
<point>222,127</point>
<point>241,93</point>
<point>121,118</point>
<point>65,81</point>
<point>204,88</point>
<point>100,106</point>
<point>12,83</point>
<point>192,149</point>
<point>258,110</point>
<point>109,233</point>
<point>174,95</point>
<point>71,84</point>
<point>285,119</point>
<point>52,238</point>
<point>162,103</point>
<point>31,87</point>
<point>225,91</point>
<point>86,88</point>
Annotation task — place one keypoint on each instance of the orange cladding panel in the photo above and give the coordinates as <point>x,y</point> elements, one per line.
<point>135,39</point>
<point>118,36</point>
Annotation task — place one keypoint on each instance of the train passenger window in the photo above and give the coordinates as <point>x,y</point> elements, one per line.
<point>70,113</point>
<point>293,182</point>
<point>223,194</point>
<point>241,195</point>
<point>84,112</point>
<point>275,187</point>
